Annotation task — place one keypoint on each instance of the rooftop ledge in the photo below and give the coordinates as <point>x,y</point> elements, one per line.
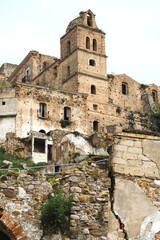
<point>137,135</point>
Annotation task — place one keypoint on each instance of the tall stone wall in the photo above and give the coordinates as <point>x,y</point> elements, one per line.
<point>136,179</point>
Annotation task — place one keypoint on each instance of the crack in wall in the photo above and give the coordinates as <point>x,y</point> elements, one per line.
<point>112,189</point>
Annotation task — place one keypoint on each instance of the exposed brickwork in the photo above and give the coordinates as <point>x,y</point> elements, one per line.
<point>14,229</point>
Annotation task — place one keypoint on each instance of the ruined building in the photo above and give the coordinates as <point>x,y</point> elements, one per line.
<point>73,93</point>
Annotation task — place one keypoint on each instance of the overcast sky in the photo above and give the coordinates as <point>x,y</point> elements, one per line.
<point>132,30</point>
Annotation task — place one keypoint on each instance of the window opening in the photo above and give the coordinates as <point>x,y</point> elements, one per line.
<point>95,107</point>
<point>94,45</point>
<point>124,88</point>
<point>154,95</point>
<point>68,47</point>
<point>28,75</point>
<point>55,71</point>
<point>68,71</point>
<point>42,131</point>
<point>67,113</point>
<point>92,62</point>
<point>49,152</point>
<point>3,103</point>
<point>42,110</point>
<point>95,126</point>
<point>57,168</point>
<point>24,80</point>
<point>44,65</point>
<point>89,19</point>
<point>4,236</point>
<point>87,42</point>
<point>93,89</point>
<point>39,145</point>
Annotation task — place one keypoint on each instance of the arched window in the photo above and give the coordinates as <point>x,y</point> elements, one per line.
<point>95,126</point>
<point>154,95</point>
<point>68,47</point>
<point>87,43</point>
<point>92,62</point>
<point>93,89</point>
<point>89,20</point>
<point>94,45</point>
<point>42,131</point>
<point>28,75</point>
<point>124,88</point>
<point>68,71</point>
<point>67,113</point>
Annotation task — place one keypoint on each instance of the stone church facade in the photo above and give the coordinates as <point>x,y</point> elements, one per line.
<point>73,93</point>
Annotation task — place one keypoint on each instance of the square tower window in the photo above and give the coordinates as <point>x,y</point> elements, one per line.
<point>92,62</point>
<point>95,107</point>
<point>3,103</point>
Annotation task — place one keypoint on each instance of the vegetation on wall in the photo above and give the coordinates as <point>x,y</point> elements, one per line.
<point>131,120</point>
<point>17,162</point>
<point>55,213</point>
<point>65,123</point>
<point>143,87</point>
<point>151,120</point>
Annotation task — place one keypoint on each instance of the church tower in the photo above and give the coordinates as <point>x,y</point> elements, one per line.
<point>83,63</point>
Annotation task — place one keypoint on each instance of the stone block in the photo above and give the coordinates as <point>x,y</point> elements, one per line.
<point>120,148</point>
<point>118,160</point>
<point>138,144</point>
<point>128,143</point>
<point>134,162</point>
<point>132,156</point>
<point>9,193</point>
<point>135,150</point>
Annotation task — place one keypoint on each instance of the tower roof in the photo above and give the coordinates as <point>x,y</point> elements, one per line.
<point>85,18</point>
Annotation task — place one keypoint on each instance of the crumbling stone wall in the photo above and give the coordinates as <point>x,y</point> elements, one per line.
<point>136,180</point>
<point>132,98</point>
<point>28,118</point>
<point>35,62</point>
<point>7,69</point>
<point>23,195</point>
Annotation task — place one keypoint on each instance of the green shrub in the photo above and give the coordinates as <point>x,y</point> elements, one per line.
<point>55,213</point>
<point>65,123</point>
<point>143,87</point>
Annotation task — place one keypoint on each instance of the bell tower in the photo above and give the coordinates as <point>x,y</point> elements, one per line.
<point>83,60</point>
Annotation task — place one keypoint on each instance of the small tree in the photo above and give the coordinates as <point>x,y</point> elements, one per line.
<point>55,213</point>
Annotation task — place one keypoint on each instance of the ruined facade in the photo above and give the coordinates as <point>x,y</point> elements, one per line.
<point>115,199</point>
<point>44,93</point>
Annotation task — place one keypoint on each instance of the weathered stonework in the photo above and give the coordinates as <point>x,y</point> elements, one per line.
<point>89,214</point>
<point>136,202</point>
